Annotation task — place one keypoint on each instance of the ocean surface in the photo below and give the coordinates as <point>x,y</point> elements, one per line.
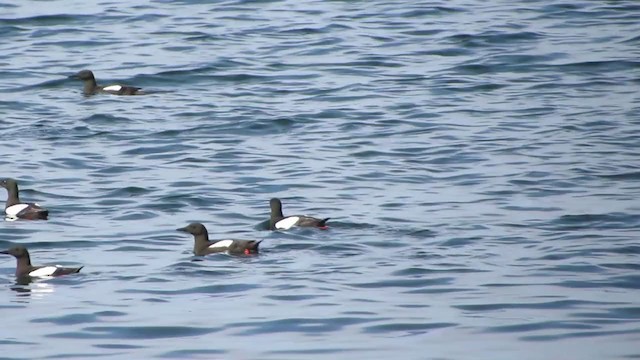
<point>479,160</point>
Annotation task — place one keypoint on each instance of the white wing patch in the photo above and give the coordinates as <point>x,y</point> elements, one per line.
<point>44,271</point>
<point>112,88</point>
<point>14,210</point>
<point>221,244</point>
<point>287,223</point>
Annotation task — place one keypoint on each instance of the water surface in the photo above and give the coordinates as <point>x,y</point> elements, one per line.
<point>479,162</point>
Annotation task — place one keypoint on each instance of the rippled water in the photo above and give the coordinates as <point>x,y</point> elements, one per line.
<point>479,161</point>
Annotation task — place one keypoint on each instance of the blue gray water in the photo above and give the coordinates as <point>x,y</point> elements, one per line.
<point>480,162</point>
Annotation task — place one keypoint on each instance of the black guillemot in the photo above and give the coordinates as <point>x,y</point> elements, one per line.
<point>281,222</point>
<point>24,267</point>
<point>17,210</point>
<point>202,245</point>
<point>91,87</point>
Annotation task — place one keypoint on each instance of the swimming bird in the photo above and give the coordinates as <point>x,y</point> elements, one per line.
<point>281,222</point>
<point>203,246</point>
<point>91,87</point>
<point>15,209</point>
<point>24,267</point>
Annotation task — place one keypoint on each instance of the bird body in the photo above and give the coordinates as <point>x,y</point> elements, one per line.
<point>14,209</point>
<point>24,267</point>
<point>203,246</point>
<point>278,221</point>
<point>91,87</point>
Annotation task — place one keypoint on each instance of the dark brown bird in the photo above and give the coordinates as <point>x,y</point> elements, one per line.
<point>15,209</point>
<point>202,245</point>
<point>91,87</point>
<point>281,222</point>
<point>24,267</point>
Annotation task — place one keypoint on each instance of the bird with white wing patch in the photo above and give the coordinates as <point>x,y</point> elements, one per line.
<point>14,209</point>
<point>91,87</point>
<point>278,221</point>
<point>203,246</point>
<point>24,267</point>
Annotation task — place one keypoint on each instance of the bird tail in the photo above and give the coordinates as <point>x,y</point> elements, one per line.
<point>323,222</point>
<point>255,244</point>
<point>252,247</point>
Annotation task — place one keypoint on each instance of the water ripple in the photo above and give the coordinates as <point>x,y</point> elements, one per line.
<point>477,160</point>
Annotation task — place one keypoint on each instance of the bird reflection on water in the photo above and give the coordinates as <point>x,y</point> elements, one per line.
<point>30,287</point>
